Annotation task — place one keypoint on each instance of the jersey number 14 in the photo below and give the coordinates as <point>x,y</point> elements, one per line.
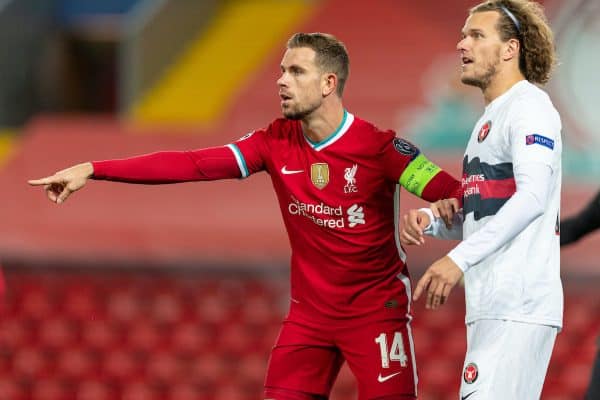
<point>394,353</point>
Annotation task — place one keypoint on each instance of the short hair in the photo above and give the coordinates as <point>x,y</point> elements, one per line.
<point>525,20</point>
<point>331,54</point>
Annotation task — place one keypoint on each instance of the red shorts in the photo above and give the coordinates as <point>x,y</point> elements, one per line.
<point>307,359</point>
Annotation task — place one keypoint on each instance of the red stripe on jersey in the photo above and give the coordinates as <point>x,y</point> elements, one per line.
<point>491,189</point>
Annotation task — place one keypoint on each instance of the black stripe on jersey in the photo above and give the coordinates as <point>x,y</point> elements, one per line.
<point>482,208</point>
<point>489,171</point>
<point>474,203</point>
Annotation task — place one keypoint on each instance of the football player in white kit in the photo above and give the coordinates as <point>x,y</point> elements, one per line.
<point>509,254</point>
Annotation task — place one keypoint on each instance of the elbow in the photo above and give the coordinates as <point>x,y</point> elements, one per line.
<point>536,204</point>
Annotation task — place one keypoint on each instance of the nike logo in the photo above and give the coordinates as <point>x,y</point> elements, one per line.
<point>382,379</point>
<point>467,396</point>
<point>286,171</point>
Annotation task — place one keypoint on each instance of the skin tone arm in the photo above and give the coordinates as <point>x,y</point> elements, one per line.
<point>59,186</point>
<point>444,274</point>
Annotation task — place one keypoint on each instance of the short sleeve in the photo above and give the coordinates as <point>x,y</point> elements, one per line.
<point>535,133</point>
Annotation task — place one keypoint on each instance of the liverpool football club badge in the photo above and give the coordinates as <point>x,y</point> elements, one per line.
<point>319,174</point>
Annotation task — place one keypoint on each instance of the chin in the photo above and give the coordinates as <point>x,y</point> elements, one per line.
<point>292,115</point>
<point>471,81</point>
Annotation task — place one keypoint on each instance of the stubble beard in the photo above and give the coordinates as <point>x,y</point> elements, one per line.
<point>483,80</point>
<point>298,113</point>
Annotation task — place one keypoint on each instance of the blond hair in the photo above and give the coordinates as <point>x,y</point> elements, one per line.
<point>525,20</point>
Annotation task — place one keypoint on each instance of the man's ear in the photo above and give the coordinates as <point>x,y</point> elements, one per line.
<point>511,49</point>
<point>330,82</point>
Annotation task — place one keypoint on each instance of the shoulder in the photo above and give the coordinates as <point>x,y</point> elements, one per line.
<point>277,129</point>
<point>532,102</point>
<point>372,133</point>
<point>283,126</point>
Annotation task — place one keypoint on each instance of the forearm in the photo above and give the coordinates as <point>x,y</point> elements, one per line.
<point>528,203</point>
<point>170,167</point>
<point>442,186</point>
<point>588,220</point>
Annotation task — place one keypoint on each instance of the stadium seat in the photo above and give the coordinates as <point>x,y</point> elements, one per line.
<point>50,389</point>
<point>94,389</point>
<point>134,337</point>
<point>30,363</point>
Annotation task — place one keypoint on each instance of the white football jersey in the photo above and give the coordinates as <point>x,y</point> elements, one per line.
<point>521,280</point>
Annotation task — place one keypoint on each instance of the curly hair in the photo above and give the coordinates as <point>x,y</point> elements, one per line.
<point>331,54</point>
<point>525,21</point>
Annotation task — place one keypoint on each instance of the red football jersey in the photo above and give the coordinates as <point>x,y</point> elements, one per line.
<point>339,200</point>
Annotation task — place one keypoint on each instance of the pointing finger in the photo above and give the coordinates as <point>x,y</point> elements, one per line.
<point>42,181</point>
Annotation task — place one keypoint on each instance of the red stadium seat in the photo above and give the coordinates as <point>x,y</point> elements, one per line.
<point>121,365</point>
<point>232,392</point>
<point>190,338</point>
<point>167,308</point>
<point>76,363</point>
<point>144,335</point>
<point>57,333</point>
<point>15,333</point>
<point>11,389</point>
<point>140,390</point>
<point>164,367</point>
<point>80,302</point>
<point>95,390</point>
<point>123,306</point>
<point>208,368</point>
<point>183,391</point>
<point>30,363</point>
<point>101,335</point>
<point>36,302</point>
<point>252,367</point>
<point>50,389</point>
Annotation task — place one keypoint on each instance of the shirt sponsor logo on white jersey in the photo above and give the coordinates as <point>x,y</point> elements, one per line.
<point>350,177</point>
<point>327,216</point>
<point>470,184</point>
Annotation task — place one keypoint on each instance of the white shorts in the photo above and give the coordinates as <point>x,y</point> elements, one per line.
<point>506,360</point>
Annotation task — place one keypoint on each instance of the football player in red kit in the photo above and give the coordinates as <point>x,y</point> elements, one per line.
<point>337,179</point>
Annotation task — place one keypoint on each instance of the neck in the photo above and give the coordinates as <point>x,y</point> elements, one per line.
<point>321,124</point>
<point>500,84</point>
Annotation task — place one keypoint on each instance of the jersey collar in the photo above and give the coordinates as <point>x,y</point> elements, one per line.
<point>347,121</point>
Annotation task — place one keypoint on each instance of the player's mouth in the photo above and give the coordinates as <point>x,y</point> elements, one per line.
<point>285,98</point>
<point>466,61</point>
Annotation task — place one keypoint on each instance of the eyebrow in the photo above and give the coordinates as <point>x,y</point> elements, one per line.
<point>471,31</point>
<point>293,67</point>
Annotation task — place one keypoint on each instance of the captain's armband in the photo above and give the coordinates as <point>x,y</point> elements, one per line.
<point>418,173</point>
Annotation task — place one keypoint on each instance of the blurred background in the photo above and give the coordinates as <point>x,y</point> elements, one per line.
<point>177,292</point>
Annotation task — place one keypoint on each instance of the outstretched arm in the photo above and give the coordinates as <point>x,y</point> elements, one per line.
<point>156,168</point>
